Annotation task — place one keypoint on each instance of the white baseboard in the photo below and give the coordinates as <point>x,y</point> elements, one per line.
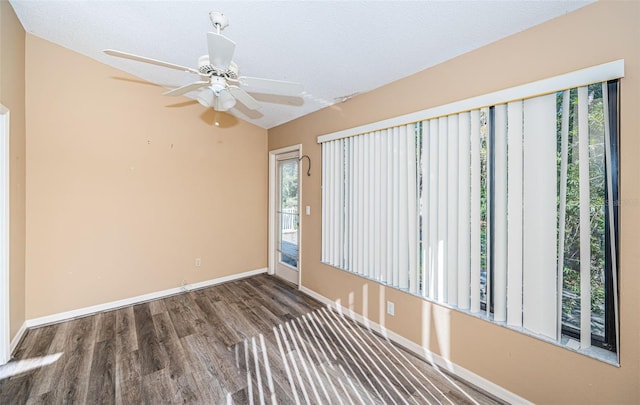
<point>432,358</point>
<point>18,337</point>
<point>94,309</point>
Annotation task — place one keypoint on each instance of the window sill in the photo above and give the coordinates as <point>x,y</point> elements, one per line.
<point>566,342</point>
<point>594,352</point>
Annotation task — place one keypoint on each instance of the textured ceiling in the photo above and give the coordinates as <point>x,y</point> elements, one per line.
<point>334,48</point>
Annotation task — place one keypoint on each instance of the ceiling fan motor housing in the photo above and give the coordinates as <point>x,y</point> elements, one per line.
<point>207,69</point>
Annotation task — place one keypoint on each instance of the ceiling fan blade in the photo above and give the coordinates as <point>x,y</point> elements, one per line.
<point>186,88</point>
<point>221,50</point>
<point>272,86</point>
<point>244,97</point>
<point>137,58</point>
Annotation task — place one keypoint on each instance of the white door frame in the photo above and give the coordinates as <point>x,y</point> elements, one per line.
<point>273,228</point>
<point>5,159</point>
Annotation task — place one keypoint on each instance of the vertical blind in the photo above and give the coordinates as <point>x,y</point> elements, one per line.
<point>370,206</point>
<point>470,209</point>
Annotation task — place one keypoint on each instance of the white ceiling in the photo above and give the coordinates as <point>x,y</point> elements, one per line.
<point>334,48</point>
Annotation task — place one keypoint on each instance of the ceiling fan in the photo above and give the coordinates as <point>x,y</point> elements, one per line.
<point>220,86</point>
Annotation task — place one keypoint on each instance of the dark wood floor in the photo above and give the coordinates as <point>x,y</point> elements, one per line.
<point>256,340</point>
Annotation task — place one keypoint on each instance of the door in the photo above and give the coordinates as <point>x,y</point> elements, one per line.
<point>287,216</point>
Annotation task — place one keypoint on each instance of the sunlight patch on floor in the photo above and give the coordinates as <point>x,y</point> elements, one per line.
<point>22,366</point>
<point>326,357</point>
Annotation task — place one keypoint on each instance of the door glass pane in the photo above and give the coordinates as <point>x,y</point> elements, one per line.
<point>288,212</point>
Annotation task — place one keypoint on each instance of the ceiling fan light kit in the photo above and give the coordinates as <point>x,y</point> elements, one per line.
<point>224,101</point>
<point>220,86</point>
<point>205,97</point>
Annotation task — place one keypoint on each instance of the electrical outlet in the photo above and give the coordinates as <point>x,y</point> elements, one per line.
<point>391,308</point>
<point>198,262</point>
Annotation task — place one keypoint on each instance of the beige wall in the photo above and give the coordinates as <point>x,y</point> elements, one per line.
<point>12,96</point>
<point>535,370</point>
<point>125,187</point>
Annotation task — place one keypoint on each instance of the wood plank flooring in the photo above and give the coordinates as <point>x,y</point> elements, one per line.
<point>255,340</point>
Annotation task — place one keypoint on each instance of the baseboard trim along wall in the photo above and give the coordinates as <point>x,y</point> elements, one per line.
<point>415,348</point>
<point>432,358</point>
<point>18,337</point>
<point>77,313</point>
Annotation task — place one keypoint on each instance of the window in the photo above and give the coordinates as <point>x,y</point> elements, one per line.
<point>507,211</point>
<point>598,103</point>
